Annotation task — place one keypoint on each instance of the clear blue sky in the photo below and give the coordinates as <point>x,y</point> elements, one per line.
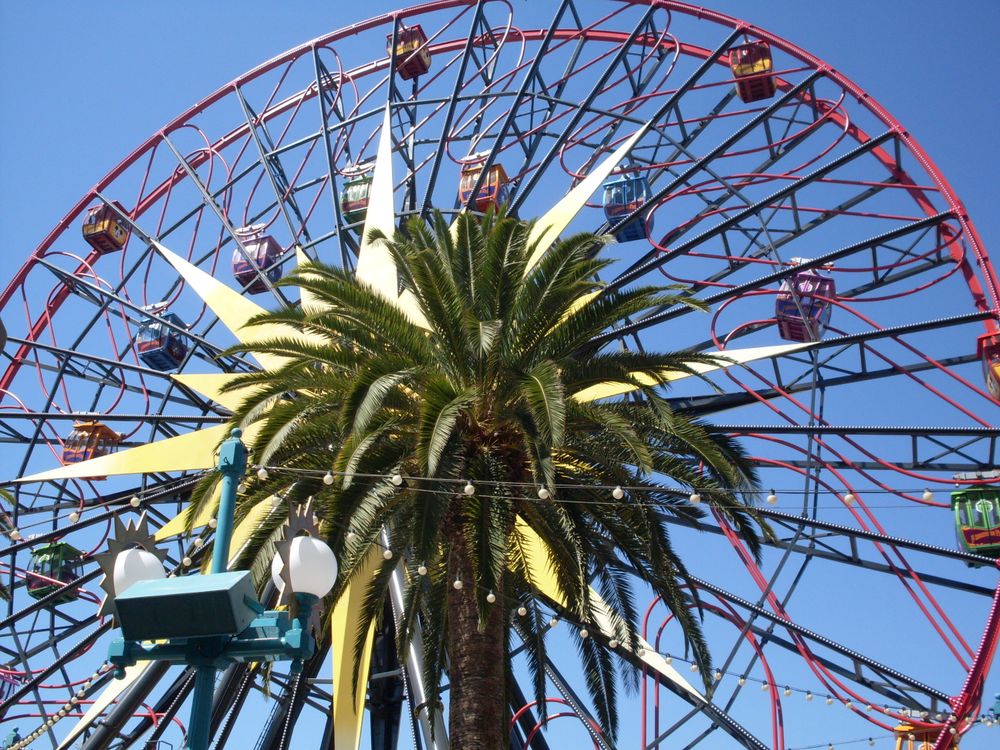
<point>82,84</point>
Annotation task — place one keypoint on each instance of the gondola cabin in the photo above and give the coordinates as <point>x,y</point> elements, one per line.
<point>412,56</point>
<point>977,519</point>
<point>752,68</point>
<point>8,684</point>
<point>104,230</point>
<point>803,305</point>
<point>354,200</point>
<point>918,738</point>
<point>53,566</point>
<point>493,192</point>
<point>14,738</point>
<point>159,343</point>
<point>261,259</point>
<point>989,353</point>
<point>89,440</point>
<point>622,196</point>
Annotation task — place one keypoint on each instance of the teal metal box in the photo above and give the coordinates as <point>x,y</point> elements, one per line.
<point>189,607</point>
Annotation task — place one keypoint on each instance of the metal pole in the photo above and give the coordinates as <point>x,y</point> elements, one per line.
<point>199,727</point>
<point>232,464</point>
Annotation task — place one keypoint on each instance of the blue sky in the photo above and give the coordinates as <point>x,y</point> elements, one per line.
<point>82,84</point>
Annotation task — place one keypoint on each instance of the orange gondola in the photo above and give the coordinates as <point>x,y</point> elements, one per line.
<point>493,192</point>
<point>918,738</point>
<point>89,439</point>
<point>104,230</point>
<point>989,353</point>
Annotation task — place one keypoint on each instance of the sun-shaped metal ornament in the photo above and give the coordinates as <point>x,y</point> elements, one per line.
<point>126,536</point>
<point>302,521</point>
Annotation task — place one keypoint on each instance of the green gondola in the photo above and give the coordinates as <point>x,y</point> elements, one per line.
<point>53,566</point>
<point>977,519</point>
<point>354,200</point>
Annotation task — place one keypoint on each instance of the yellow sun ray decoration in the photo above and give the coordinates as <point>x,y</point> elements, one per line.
<point>195,451</point>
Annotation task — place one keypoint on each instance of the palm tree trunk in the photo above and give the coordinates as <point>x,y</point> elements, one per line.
<point>477,714</point>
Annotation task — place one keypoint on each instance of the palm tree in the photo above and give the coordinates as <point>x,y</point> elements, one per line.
<point>481,413</point>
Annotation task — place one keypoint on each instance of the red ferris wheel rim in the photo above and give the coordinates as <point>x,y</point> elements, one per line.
<point>864,98</point>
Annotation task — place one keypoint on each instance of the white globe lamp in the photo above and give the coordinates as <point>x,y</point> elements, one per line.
<point>134,565</point>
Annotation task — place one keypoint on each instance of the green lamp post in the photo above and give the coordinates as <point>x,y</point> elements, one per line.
<point>208,621</point>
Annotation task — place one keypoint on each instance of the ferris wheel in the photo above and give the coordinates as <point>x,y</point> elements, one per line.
<point>847,290</point>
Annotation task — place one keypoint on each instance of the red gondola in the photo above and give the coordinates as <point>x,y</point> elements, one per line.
<point>752,65</point>
<point>104,230</point>
<point>264,251</point>
<point>805,314</point>
<point>493,191</point>
<point>412,56</point>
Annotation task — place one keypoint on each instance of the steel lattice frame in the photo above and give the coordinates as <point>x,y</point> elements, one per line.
<point>890,399</point>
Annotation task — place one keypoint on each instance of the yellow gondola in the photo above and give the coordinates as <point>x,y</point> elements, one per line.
<point>412,56</point>
<point>752,65</point>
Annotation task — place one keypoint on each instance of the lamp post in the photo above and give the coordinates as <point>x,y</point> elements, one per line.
<point>211,620</point>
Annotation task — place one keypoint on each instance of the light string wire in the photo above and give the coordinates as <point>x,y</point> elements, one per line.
<point>941,484</point>
<point>985,719</point>
<point>636,491</point>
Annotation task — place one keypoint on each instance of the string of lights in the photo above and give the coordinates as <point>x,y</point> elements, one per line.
<point>543,494</point>
<point>263,471</point>
<point>633,493</point>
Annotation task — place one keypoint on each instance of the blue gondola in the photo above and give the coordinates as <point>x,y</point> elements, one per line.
<point>161,346</point>
<point>622,196</point>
